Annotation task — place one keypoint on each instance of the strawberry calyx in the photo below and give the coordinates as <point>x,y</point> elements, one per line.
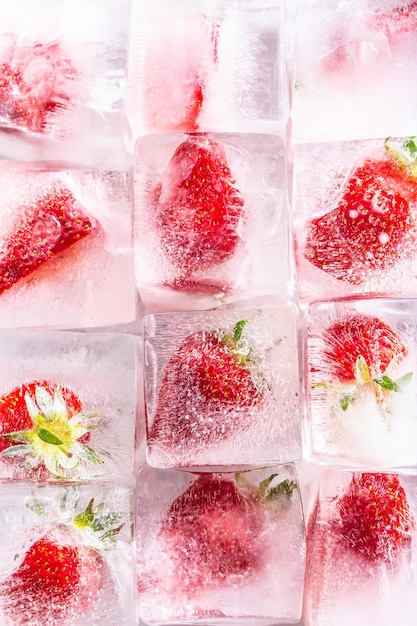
<point>269,491</point>
<point>375,518</point>
<point>381,385</point>
<point>404,153</point>
<point>101,526</point>
<point>55,438</point>
<point>241,351</point>
<point>238,347</point>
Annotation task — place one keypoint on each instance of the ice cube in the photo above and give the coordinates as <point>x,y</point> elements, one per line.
<point>211,218</point>
<point>65,241</point>
<point>68,555</point>
<point>207,66</point>
<point>350,57</point>
<point>216,547</point>
<point>361,551</point>
<point>354,218</point>
<point>79,389</point>
<point>361,385</point>
<point>62,80</point>
<point>222,387</point>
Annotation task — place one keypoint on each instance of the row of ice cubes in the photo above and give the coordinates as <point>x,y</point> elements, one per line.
<point>212,548</point>
<point>131,68</point>
<point>212,221</point>
<point>215,388</point>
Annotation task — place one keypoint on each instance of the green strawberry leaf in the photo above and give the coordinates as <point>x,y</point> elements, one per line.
<point>48,437</point>
<point>284,488</point>
<point>238,330</point>
<point>411,147</point>
<point>345,400</point>
<point>387,383</point>
<point>86,518</point>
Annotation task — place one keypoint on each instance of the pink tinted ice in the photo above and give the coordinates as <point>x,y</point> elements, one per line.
<point>80,223</point>
<point>38,83</point>
<point>220,546</point>
<point>205,67</point>
<point>360,383</point>
<point>350,58</point>
<point>62,81</point>
<point>361,551</point>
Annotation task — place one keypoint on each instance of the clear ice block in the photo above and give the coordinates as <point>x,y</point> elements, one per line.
<point>222,387</point>
<point>65,241</point>
<point>215,66</point>
<point>361,384</point>
<point>355,206</point>
<point>212,548</point>
<point>90,433</point>
<point>211,218</point>
<point>361,551</point>
<point>68,557</point>
<point>62,80</point>
<point>354,66</point>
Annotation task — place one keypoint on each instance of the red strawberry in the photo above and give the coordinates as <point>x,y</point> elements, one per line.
<point>44,425</point>
<point>359,335</point>
<point>49,226</point>
<point>213,530</point>
<point>373,226</point>
<point>198,208</point>
<point>53,582</point>
<point>375,517</point>
<point>34,86</point>
<point>212,533</point>
<point>207,391</point>
<point>60,576</point>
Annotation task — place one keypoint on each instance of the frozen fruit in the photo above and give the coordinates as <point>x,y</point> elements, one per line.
<point>44,425</point>
<point>359,335</point>
<point>211,531</point>
<point>360,356</point>
<point>373,226</point>
<point>62,573</point>
<point>34,85</point>
<point>210,374</point>
<point>375,518</point>
<point>396,22</point>
<point>50,225</point>
<point>198,207</point>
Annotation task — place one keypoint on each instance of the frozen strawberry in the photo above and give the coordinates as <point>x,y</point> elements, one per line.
<point>61,574</point>
<point>397,22</point>
<point>53,223</point>
<point>373,227</point>
<point>198,208</point>
<point>375,517</point>
<point>35,86</point>
<point>360,335</point>
<point>209,387</point>
<point>50,584</point>
<point>213,530</point>
<point>43,425</point>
